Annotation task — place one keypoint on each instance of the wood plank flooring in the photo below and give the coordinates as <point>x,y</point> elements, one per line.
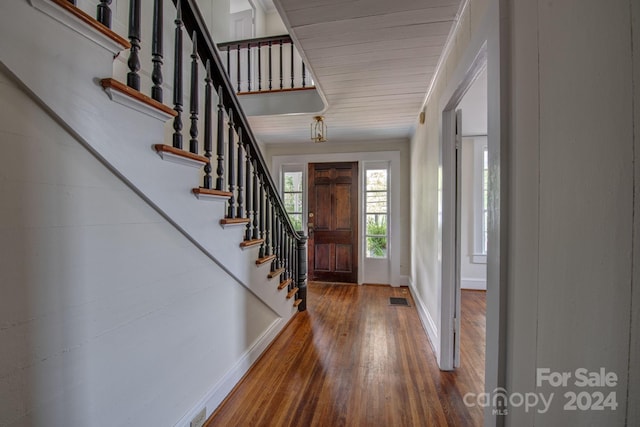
<point>353,360</point>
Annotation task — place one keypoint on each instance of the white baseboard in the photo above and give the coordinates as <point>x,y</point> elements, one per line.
<point>214,397</point>
<point>475,284</point>
<point>404,281</point>
<point>425,318</point>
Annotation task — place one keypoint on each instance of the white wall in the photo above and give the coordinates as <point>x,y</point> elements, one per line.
<point>108,315</point>
<point>572,296</point>
<point>473,273</point>
<point>273,24</point>
<point>426,184</point>
<point>473,270</point>
<point>571,248</point>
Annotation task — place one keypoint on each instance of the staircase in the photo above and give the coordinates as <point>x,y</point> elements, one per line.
<point>218,142</point>
<point>171,128</point>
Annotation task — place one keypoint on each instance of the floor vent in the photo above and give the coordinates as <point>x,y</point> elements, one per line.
<point>398,301</point>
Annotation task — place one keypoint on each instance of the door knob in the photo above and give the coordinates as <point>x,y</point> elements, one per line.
<point>310,228</point>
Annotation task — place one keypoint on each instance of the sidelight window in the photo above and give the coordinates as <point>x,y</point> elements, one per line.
<point>293,196</point>
<point>376,212</point>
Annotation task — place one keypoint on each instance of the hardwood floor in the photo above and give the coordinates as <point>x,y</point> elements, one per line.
<point>353,360</point>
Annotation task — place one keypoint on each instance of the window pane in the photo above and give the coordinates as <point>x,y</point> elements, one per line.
<point>293,202</point>
<point>377,224</point>
<point>376,247</point>
<point>376,179</point>
<point>377,202</point>
<point>293,181</point>
<point>296,221</point>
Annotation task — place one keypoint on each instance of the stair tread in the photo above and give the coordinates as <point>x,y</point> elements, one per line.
<point>249,243</point>
<point>232,221</point>
<point>180,153</point>
<point>292,292</point>
<point>94,23</point>
<point>211,192</point>
<point>264,260</point>
<point>297,302</point>
<point>138,96</point>
<point>275,273</point>
<point>284,284</point>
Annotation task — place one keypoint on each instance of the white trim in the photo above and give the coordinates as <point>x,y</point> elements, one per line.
<point>474,284</point>
<point>470,66</point>
<point>123,99</point>
<point>404,280</point>
<point>234,225</point>
<point>170,157</point>
<point>426,319</point>
<point>451,39</point>
<point>478,258</point>
<point>59,14</point>
<point>211,197</point>
<point>212,399</point>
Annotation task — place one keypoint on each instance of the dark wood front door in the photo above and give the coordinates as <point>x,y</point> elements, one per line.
<point>333,222</point>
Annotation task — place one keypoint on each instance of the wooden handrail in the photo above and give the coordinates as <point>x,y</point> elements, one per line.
<point>194,23</point>
<point>284,39</point>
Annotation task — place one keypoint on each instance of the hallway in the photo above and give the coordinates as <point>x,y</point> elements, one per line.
<point>354,360</point>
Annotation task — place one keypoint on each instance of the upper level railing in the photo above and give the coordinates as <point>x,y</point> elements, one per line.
<point>234,166</point>
<point>265,64</point>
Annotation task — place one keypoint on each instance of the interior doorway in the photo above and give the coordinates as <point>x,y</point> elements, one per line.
<point>464,209</point>
<point>332,222</point>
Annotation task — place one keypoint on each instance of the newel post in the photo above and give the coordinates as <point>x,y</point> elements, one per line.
<point>302,272</point>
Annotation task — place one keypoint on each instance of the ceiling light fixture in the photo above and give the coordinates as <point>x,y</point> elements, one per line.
<point>318,129</point>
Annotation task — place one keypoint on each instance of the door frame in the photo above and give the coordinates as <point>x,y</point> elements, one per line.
<point>393,157</point>
<point>489,44</point>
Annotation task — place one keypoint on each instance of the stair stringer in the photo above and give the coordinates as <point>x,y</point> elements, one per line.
<point>62,71</point>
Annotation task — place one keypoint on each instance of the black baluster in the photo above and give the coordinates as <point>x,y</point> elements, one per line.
<point>257,211</point>
<point>294,261</point>
<point>267,221</point>
<point>276,242</point>
<point>103,12</point>
<point>274,233</point>
<point>280,242</point>
<point>193,142</point>
<point>270,67</point>
<point>73,2</point>
<point>220,143</point>
<point>208,137</point>
<point>133,79</point>
<point>286,256</point>
<point>281,75</point>
<point>301,279</point>
<point>262,213</point>
<point>240,178</point>
<point>248,67</point>
<point>231,211</point>
<point>283,244</point>
<point>156,51</point>
<point>289,264</point>
<point>229,61</point>
<point>238,76</point>
<point>292,71</point>
<point>304,75</point>
<point>177,80</point>
<point>247,193</point>
<point>259,67</point>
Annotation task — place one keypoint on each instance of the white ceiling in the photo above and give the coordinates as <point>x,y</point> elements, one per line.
<point>373,61</point>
